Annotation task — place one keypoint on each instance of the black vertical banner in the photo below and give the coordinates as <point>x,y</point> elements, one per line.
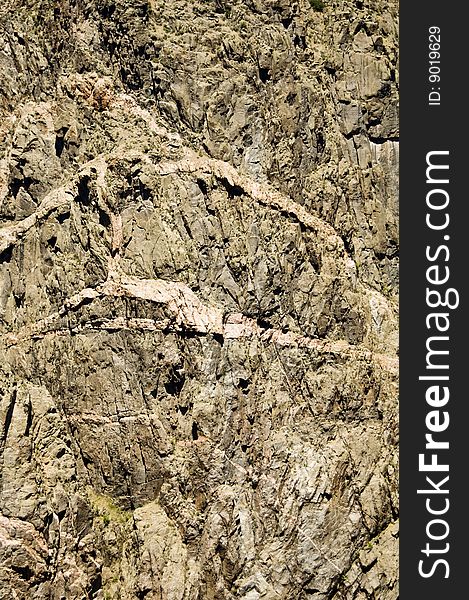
<point>434,413</point>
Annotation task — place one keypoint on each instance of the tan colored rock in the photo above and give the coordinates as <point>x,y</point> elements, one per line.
<point>198,285</point>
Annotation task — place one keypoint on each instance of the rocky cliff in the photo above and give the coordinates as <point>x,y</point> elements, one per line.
<point>198,283</point>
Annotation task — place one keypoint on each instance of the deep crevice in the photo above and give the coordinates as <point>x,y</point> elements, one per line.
<point>16,184</point>
<point>104,219</point>
<point>243,385</point>
<point>24,572</point>
<point>381,140</point>
<point>60,141</point>
<point>63,217</point>
<point>367,568</point>
<point>299,41</point>
<point>218,337</point>
<point>233,190</point>
<point>95,586</point>
<point>84,191</point>
<point>5,256</point>
<point>29,419</point>
<point>175,383</point>
<point>9,416</point>
<point>263,324</point>
<point>264,74</point>
<point>203,186</point>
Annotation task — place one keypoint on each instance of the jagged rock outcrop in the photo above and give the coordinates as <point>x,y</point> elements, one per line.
<point>198,285</point>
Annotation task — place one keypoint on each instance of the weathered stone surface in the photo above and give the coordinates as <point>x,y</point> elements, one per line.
<point>198,284</point>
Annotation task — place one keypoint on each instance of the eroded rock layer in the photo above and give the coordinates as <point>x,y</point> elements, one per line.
<point>198,283</point>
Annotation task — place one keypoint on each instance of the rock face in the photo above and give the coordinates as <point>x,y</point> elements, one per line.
<point>198,283</point>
